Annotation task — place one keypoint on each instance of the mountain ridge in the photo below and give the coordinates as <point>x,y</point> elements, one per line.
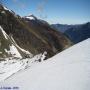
<point>32,35</point>
<point>75,33</point>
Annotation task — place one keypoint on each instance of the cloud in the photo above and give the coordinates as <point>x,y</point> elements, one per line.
<point>41,7</point>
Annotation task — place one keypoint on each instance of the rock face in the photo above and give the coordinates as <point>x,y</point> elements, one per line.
<point>33,35</point>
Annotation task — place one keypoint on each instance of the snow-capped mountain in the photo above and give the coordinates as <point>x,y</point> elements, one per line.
<point>35,19</point>
<point>68,70</point>
<point>30,17</point>
<point>32,35</point>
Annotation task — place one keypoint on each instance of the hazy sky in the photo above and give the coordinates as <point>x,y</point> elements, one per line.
<point>54,11</point>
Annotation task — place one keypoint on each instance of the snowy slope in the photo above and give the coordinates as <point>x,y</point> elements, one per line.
<point>69,70</point>
<point>10,66</point>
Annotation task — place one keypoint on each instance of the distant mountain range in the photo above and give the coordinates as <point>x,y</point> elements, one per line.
<point>75,33</point>
<point>78,34</point>
<point>28,35</point>
<point>63,27</point>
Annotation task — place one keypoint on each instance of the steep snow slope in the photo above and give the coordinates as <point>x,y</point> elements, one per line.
<point>69,70</point>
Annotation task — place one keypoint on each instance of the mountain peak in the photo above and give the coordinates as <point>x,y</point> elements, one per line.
<point>30,17</point>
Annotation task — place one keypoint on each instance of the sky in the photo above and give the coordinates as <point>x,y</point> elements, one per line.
<point>53,11</point>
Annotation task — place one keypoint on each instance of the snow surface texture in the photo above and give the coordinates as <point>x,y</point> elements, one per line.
<point>69,70</point>
<point>10,67</point>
